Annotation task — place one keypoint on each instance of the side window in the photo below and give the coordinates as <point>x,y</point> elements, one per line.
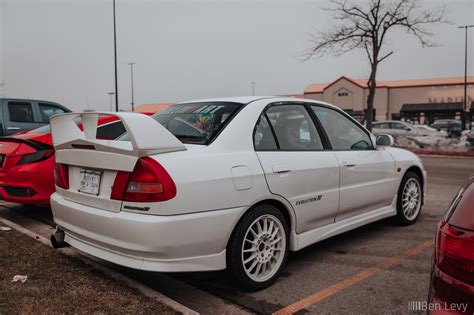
<point>110,131</point>
<point>263,138</point>
<point>20,112</point>
<point>398,126</point>
<point>382,126</point>
<point>343,133</point>
<point>294,128</point>
<point>48,110</point>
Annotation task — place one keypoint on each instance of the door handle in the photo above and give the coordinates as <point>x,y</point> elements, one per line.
<point>349,164</point>
<point>13,128</point>
<point>281,169</point>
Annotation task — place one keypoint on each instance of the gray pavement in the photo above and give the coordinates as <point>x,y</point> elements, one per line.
<point>319,266</point>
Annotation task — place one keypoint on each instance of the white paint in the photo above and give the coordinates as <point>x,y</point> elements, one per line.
<point>322,194</point>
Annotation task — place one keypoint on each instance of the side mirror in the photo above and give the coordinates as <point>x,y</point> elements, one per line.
<point>407,128</point>
<point>384,141</point>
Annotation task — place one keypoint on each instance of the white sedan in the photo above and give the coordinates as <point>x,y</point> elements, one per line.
<point>226,183</point>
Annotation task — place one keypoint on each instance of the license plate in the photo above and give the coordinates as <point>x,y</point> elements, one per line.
<point>90,181</point>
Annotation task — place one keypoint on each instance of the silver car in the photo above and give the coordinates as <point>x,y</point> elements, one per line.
<point>403,128</point>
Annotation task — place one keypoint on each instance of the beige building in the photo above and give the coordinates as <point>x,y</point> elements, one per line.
<point>414,99</point>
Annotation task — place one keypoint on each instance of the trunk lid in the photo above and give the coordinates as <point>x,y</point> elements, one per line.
<point>12,149</point>
<point>93,164</point>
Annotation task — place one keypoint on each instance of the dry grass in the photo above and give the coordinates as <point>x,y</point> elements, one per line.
<point>60,284</point>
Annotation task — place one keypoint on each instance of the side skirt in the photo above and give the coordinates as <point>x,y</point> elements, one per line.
<point>302,240</point>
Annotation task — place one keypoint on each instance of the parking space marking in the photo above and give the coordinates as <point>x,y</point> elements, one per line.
<point>352,280</point>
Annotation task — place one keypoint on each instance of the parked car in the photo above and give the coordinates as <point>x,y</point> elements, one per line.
<point>27,162</point>
<point>227,183</point>
<point>452,275</point>
<point>451,126</point>
<point>426,130</point>
<point>402,128</point>
<point>17,115</point>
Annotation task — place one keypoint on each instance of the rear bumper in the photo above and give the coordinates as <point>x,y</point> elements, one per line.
<point>35,177</point>
<point>445,290</point>
<point>188,242</point>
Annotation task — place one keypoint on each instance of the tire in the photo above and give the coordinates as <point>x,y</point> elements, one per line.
<point>409,199</point>
<point>269,259</point>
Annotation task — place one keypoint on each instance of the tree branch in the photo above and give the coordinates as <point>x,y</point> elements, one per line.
<point>384,57</point>
<point>359,26</point>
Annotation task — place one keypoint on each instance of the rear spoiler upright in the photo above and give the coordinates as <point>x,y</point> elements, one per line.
<point>147,136</point>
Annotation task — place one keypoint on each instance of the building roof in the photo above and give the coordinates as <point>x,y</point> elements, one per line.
<point>320,87</point>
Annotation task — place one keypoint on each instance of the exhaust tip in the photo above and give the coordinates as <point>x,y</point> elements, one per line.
<point>57,239</point>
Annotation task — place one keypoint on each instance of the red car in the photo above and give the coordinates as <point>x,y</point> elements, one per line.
<point>27,162</point>
<point>452,276</point>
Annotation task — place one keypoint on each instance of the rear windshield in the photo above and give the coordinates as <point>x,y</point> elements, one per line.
<point>109,130</point>
<point>195,123</point>
<point>461,212</point>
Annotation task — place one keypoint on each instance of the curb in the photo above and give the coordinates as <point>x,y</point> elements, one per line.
<point>71,252</point>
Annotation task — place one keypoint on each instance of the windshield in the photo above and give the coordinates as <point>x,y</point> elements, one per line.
<point>195,123</point>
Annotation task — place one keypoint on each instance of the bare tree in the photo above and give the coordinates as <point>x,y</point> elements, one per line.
<point>365,25</point>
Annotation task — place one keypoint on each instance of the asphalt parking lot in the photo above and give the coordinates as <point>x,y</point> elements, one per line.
<point>376,269</point>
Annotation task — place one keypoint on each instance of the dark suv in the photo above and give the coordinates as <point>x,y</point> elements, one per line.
<point>451,126</point>
<point>19,114</point>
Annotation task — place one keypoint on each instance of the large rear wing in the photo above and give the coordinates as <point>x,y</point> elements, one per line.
<point>147,136</point>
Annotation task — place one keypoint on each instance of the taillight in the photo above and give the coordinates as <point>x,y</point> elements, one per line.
<point>455,253</point>
<point>36,157</point>
<point>61,175</point>
<point>149,182</point>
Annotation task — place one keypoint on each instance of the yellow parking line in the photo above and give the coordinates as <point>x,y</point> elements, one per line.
<point>352,280</point>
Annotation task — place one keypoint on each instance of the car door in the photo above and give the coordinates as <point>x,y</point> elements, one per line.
<point>368,179</point>
<point>400,129</point>
<point>381,128</point>
<point>297,165</point>
<point>18,116</point>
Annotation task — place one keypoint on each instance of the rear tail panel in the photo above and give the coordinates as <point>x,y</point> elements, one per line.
<point>94,164</point>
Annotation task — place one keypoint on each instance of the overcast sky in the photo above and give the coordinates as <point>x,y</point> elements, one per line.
<point>63,50</point>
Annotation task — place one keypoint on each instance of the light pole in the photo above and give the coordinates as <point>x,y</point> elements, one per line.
<point>111,100</point>
<point>253,88</point>
<point>465,27</point>
<point>131,83</point>
<point>115,61</point>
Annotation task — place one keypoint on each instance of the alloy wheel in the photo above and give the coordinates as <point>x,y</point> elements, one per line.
<point>264,247</point>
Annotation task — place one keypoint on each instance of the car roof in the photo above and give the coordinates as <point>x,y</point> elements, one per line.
<point>237,99</point>
<point>446,120</point>
<point>27,100</point>
<point>392,121</point>
<point>250,99</point>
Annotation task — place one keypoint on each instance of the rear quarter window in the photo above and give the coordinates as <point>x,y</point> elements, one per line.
<point>111,130</point>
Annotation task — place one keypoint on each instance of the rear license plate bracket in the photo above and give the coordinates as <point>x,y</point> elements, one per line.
<point>90,181</point>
